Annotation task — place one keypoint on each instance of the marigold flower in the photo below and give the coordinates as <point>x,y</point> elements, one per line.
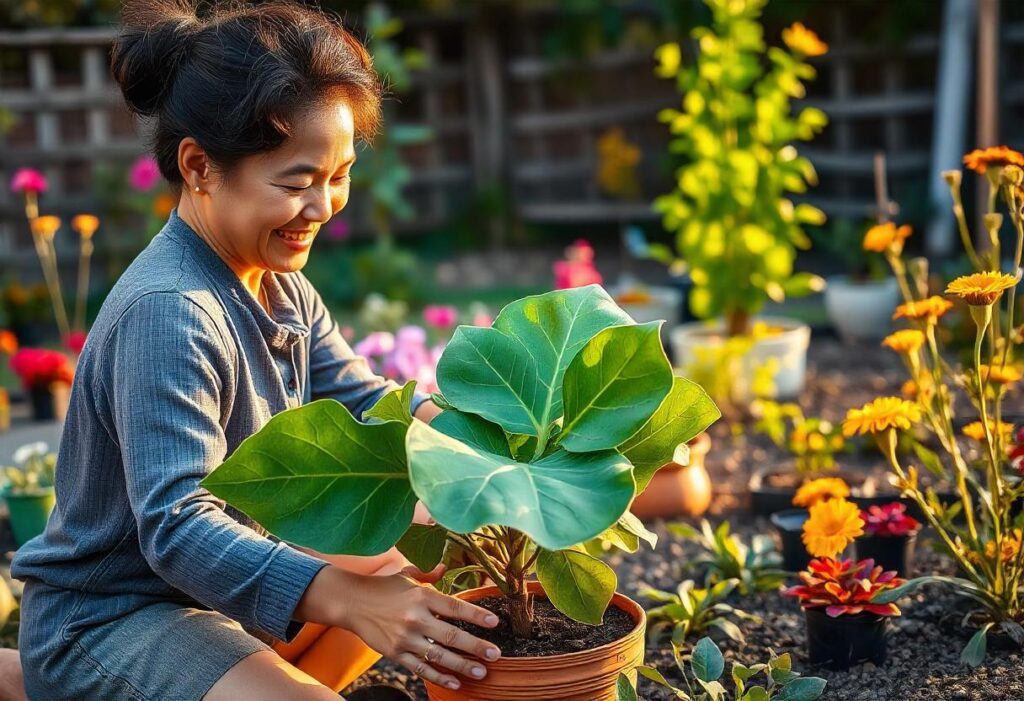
<point>981,159</point>
<point>931,308</point>
<point>28,180</point>
<point>880,415</point>
<point>46,226</point>
<point>1000,375</point>
<point>831,526</point>
<point>881,237</point>
<point>976,431</point>
<point>85,225</point>
<point>803,41</point>
<point>904,341</point>
<point>981,289</point>
<point>821,489</point>
<point>1008,548</point>
<point>8,342</point>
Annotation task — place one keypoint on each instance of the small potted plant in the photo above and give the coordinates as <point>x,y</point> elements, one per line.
<point>860,303</point>
<point>846,625</point>
<point>813,442</point>
<point>682,487</point>
<point>789,523</point>
<point>554,418</point>
<point>889,537</point>
<point>28,490</point>
<point>46,375</point>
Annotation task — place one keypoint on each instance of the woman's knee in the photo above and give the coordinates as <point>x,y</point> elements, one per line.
<point>264,676</point>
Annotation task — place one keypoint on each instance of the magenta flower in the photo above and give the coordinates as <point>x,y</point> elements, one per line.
<point>888,520</point>
<point>439,316</point>
<point>338,229</point>
<point>377,344</point>
<point>28,180</point>
<point>415,336</point>
<point>144,174</point>
<point>75,341</point>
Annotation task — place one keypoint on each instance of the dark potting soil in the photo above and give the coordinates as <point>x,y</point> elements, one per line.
<point>554,633</point>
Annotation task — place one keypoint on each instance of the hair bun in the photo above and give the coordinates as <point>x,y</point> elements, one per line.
<point>155,36</point>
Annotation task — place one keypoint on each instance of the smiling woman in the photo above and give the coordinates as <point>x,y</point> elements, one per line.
<point>144,585</point>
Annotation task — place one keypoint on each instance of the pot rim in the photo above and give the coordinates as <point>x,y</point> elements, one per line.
<point>848,281</point>
<point>794,511</point>
<point>535,587</point>
<point>791,328</point>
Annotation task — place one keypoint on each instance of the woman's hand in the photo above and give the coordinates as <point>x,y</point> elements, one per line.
<point>403,621</point>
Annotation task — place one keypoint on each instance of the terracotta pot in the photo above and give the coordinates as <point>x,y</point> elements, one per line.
<point>578,676</point>
<point>678,490</point>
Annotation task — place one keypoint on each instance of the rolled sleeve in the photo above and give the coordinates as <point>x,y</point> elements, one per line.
<point>170,384</point>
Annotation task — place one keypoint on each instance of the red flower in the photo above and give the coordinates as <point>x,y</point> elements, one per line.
<point>888,520</point>
<point>28,180</point>
<point>440,316</point>
<point>842,587</point>
<point>75,341</point>
<point>40,367</point>
<point>1017,453</point>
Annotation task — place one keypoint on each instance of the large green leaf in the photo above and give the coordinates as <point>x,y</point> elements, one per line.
<point>559,501</point>
<point>612,387</point>
<point>686,411</point>
<point>472,429</point>
<point>423,545</point>
<point>316,477</point>
<point>396,405</point>
<point>577,584</point>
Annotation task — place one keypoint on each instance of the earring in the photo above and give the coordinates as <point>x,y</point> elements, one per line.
<point>197,188</point>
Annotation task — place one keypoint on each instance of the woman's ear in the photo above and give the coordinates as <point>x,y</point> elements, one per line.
<point>194,165</point>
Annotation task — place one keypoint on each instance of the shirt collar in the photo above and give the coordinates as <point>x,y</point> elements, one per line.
<point>282,331</point>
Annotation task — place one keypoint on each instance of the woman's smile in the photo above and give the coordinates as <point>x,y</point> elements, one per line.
<point>297,240</point>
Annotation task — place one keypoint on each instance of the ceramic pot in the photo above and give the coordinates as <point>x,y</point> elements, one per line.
<point>691,343</point>
<point>589,675</point>
<point>49,402</point>
<point>29,513</point>
<point>678,490</point>
<point>861,310</point>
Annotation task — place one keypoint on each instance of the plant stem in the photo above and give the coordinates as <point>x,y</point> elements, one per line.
<point>482,559</point>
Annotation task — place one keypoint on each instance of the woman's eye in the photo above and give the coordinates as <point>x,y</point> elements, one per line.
<point>343,180</point>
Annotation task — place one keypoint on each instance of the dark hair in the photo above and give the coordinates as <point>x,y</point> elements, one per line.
<point>235,79</point>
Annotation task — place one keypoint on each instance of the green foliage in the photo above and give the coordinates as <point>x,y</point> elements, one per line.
<point>735,227</point>
<point>812,441</point>
<point>755,567</point>
<point>33,472</point>
<point>689,611</point>
<point>706,666</point>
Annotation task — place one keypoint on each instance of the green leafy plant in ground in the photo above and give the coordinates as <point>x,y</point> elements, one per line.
<point>755,566</point>
<point>690,611</point>
<point>736,230</point>
<point>706,666</point>
<point>555,417</point>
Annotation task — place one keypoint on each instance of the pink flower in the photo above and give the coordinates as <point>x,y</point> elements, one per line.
<point>338,229</point>
<point>482,319</point>
<point>348,333</point>
<point>415,336</point>
<point>75,341</point>
<point>888,520</point>
<point>440,317</point>
<point>28,180</point>
<point>378,343</point>
<point>570,274</point>
<point>144,174</point>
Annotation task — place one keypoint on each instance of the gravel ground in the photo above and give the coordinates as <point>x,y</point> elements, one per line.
<point>924,644</point>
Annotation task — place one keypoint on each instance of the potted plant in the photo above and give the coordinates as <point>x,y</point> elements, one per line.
<point>28,490</point>
<point>889,537</point>
<point>860,303</point>
<point>789,523</point>
<point>813,442</point>
<point>736,229</point>
<point>682,487</point>
<point>46,375</point>
<point>555,417</point>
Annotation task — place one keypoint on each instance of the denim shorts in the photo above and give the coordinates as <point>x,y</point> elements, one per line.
<point>163,651</point>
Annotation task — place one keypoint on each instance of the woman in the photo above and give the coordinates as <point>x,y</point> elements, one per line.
<point>144,586</point>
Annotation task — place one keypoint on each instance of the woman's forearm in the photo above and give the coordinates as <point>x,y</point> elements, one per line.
<point>427,411</point>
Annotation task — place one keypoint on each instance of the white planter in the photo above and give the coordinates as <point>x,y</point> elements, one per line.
<point>861,310</point>
<point>693,344</point>
<point>665,304</point>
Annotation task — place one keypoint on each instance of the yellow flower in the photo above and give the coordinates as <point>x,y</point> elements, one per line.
<point>981,159</point>
<point>831,526</point>
<point>1008,548</point>
<point>976,431</point>
<point>931,308</point>
<point>904,341</point>
<point>617,163</point>
<point>1000,375</point>
<point>981,289</point>
<point>803,41</point>
<point>85,225</point>
<point>881,236</point>
<point>46,226</point>
<point>880,415</point>
<point>821,489</point>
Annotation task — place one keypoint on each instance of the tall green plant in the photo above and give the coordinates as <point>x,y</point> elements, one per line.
<point>736,230</point>
<point>555,418</point>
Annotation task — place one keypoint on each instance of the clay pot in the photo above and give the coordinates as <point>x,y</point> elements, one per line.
<point>678,490</point>
<point>589,675</point>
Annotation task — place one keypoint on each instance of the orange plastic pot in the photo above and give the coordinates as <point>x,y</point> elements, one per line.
<point>589,675</point>
<point>678,490</point>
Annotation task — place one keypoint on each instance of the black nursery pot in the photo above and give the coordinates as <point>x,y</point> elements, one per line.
<point>790,524</point>
<point>894,552</point>
<point>847,640</point>
<point>43,403</point>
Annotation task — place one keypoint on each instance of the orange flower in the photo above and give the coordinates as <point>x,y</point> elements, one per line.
<point>880,415</point>
<point>831,526</point>
<point>8,342</point>
<point>821,489</point>
<point>904,341</point>
<point>163,205</point>
<point>930,309</point>
<point>981,159</point>
<point>981,289</point>
<point>803,41</point>
<point>881,237</point>
<point>85,225</point>
<point>976,431</point>
<point>46,226</point>
<point>1000,375</point>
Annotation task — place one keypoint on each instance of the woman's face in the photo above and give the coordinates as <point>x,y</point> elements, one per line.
<point>266,215</point>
